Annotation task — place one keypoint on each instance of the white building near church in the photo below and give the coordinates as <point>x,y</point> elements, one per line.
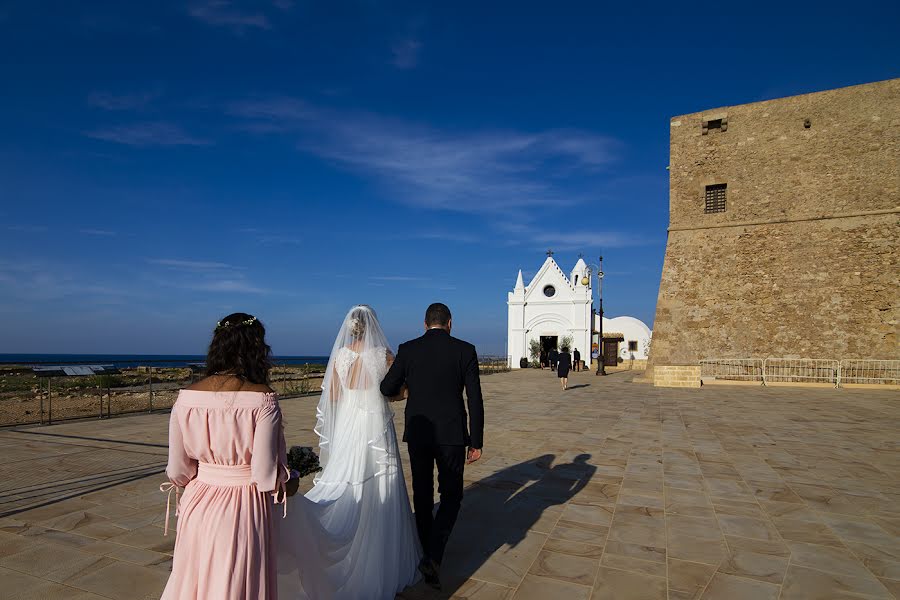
<point>635,336</point>
<point>555,305</point>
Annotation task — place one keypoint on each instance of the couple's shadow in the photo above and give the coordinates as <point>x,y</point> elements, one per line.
<point>499,510</point>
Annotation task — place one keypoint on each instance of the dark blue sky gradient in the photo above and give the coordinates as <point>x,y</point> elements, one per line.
<point>162,164</point>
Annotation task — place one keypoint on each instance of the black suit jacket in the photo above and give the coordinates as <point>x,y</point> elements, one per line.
<point>436,368</point>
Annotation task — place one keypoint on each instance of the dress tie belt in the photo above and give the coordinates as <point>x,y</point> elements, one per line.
<point>224,475</point>
<point>218,475</point>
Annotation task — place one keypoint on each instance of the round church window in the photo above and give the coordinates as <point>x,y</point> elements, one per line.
<point>549,291</point>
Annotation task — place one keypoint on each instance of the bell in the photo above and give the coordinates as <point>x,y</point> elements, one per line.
<point>585,280</point>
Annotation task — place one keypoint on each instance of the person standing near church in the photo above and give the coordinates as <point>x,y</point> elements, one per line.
<point>543,359</point>
<point>576,356</point>
<point>554,357</point>
<point>565,363</point>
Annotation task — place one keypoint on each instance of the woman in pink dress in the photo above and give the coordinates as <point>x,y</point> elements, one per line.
<point>227,450</point>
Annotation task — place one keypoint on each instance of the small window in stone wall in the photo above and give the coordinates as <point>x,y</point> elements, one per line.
<point>715,198</point>
<point>632,346</point>
<point>713,124</point>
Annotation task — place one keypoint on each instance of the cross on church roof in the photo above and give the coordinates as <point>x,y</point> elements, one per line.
<point>550,253</point>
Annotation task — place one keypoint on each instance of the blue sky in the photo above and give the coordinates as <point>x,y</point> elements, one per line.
<point>162,164</point>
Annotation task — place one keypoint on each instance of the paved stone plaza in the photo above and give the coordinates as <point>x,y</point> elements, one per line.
<point>612,491</point>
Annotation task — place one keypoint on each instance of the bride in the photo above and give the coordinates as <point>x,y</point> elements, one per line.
<point>353,535</point>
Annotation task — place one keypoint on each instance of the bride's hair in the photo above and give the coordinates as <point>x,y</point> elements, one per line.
<point>356,323</point>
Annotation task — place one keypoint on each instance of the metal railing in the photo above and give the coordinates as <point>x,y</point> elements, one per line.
<point>488,365</point>
<point>151,386</point>
<point>879,372</point>
<point>148,386</point>
<point>802,370</point>
<point>732,369</point>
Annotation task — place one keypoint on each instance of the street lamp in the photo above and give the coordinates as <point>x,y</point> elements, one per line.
<point>601,368</point>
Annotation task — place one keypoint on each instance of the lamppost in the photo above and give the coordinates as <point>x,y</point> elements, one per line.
<point>601,368</point>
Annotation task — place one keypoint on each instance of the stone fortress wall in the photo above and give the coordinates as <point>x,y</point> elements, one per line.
<point>805,259</point>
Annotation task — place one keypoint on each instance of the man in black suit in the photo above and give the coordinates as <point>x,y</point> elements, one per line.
<point>576,356</point>
<point>436,368</point>
<point>554,358</point>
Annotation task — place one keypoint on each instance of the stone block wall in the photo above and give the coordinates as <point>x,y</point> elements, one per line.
<point>676,376</point>
<point>805,259</point>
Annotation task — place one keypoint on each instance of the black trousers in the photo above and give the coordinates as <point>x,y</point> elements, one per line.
<point>434,531</point>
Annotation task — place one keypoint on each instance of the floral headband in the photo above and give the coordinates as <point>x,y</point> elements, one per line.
<point>221,325</point>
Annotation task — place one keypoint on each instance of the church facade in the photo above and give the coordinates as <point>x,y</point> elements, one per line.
<point>553,306</point>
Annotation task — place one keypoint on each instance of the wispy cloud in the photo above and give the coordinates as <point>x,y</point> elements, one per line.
<point>206,276</point>
<point>405,53</point>
<point>190,265</point>
<point>224,13</point>
<point>275,240</point>
<point>538,236</point>
<point>224,285</point>
<point>473,172</point>
<point>27,228</point>
<point>396,278</point>
<point>39,281</point>
<point>443,236</point>
<point>98,232</point>
<point>147,134</point>
<point>109,101</point>
<point>268,238</point>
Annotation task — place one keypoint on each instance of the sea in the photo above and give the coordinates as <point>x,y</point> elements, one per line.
<point>124,361</point>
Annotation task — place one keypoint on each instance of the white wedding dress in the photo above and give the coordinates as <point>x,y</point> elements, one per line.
<point>353,535</point>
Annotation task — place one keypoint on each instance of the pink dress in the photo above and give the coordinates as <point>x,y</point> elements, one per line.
<point>227,450</point>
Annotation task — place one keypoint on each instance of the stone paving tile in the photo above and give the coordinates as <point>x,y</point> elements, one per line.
<point>729,587</point>
<point>804,583</point>
<point>613,584</point>
<point>612,490</point>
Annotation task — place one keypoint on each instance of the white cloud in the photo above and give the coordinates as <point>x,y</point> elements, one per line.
<point>147,134</point>
<point>27,228</point>
<point>205,276</point>
<point>224,13</point>
<point>190,265</point>
<point>472,172</point>
<point>38,281</point>
<point>396,278</point>
<point>225,285</point>
<point>539,236</point>
<point>98,232</point>
<point>109,101</point>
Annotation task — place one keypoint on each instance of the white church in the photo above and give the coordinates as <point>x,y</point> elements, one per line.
<point>555,305</point>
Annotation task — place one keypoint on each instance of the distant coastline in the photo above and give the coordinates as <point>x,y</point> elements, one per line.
<point>133,360</point>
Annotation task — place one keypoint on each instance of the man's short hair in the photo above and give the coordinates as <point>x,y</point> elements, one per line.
<point>437,315</point>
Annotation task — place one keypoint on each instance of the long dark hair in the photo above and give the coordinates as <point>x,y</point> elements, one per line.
<point>239,348</point>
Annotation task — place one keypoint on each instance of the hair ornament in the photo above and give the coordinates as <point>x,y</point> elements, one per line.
<point>226,324</point>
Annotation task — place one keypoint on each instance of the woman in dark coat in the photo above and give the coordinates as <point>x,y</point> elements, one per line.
<point>563,366</point>
<point>543,359</point>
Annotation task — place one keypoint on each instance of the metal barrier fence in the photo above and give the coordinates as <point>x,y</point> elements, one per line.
<point>488,365</point>
<point>802,370</point>
<point>733,369</point>
<point>885,372</point>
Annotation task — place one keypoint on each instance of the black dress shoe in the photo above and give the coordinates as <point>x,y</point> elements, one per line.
<point>429,570</point>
